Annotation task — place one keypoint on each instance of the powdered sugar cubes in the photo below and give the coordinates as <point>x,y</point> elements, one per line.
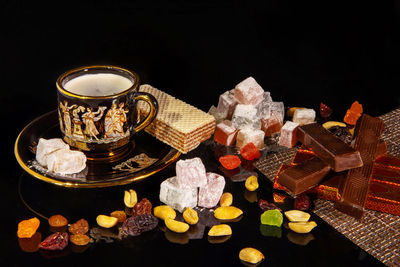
<point>191,173</point>
<point>210,194</point>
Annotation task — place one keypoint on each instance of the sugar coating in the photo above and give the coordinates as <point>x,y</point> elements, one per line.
<point>191,173</point>
<point>249,92</point>
<point>245,116</point>
<point>264,107</point>
<point>219,117</point>
<point>225,133</point>
<point>177,197</point>
<point>278,110</point>
<point>47,146</point>
<point>304,116</point>
<point>288,134</point>
<point>248,135</point>
<point>226,104</point>
<point>210,193</point>
<point>66,161</point>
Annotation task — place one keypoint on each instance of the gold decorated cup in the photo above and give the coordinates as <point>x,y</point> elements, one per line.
<point>97,109</point>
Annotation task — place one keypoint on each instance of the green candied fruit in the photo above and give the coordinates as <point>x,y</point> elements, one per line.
<point>272,217</point>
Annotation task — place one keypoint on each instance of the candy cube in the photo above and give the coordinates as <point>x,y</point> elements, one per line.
<point>263,108</point>
<point>304,116</point>
<point>288,134</point>
<point>172,194</point>
<point>245,116</point>
<point>226,104</point>
<point>191,173</point>
<point>210,194</point>
<point>248,135</point>
<point>47,146</point>
<point>225,133</point>
<point>249,92</point>
<point>216,114</point>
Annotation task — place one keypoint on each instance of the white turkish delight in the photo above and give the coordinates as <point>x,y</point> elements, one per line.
<point>245,116</point>
<point>249,92</point>
<point>288,134</point>
<point>248,135</point>
<point>210,193</point>
<point>47,146</point>
<point>191,173</point>
<point>66,161</point>
<point>177,197</point>
<point>264,107</point>
<point>304,116</point>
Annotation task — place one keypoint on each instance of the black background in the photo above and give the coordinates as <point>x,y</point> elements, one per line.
<point>303,53</point>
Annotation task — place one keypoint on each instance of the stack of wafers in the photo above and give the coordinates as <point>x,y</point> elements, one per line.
<point>177,123</point>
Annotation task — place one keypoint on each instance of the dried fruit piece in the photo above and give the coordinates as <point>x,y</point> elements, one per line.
<point>324,110</point>
<point>56,241</point>
<point>164,212</point>
<point>297,216</point>
<point>250,152</point>
<point>79,239</point>
<point>230,162</point>
<point>106,221</point>
<point>251,183</point>
<point>190,216</point>
<point>327,125</point>
<point>176,226</point>
<point>130,198</point>
<point>353,113</point>
<point>220,230</point>
<point>251,255</point>
<point>265,205</point>
<point>302,227</point>
<point>119,214</point>
<point>142,207</point>
<point>226,199</point>
<point>27,228</point>
<point>57,221</point>
<point>302,202</point>
<point>134,226</point>
<point>272,217</point>
<point>227,213</point>
<point>80,227</point>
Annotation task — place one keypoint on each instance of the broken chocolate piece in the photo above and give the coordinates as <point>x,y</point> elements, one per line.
<point>329,148</point>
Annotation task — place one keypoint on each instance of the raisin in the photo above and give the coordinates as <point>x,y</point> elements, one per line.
<point>134,226</point>
<point>57,221</point>
<point>302,202</point>
<point>142,207</point>
<point>79,239</point>
<point>343,133</point>
<point>230,162</point>
<point>80,227</point>
<point>27,228</point>
<point>324,110</point>
<point>265,205</point>
<point>56,241</point>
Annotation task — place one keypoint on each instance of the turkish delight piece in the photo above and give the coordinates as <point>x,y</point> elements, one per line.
<point>226,104</point>
<point>288,134</point>
<point>66,161</point>
<point>245,116</point>
<point>191,173</point>
<point>304,116</point>
<point>249,92</point>
<point>210,194</point>
<point>248,135</point>
<point>219,117</point>
<point>273,124</point>
<point>177,197</point>
<point>264,107</point>
<point>46,147</point>
<point>225,133</point>
<point>277,109</point>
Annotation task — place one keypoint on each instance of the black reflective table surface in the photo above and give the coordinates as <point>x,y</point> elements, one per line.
<point>302,53</point>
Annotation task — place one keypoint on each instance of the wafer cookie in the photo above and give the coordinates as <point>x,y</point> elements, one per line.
<point>177,123</point>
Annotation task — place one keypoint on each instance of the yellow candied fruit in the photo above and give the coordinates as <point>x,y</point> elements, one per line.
<point>220,230</point>
<point>329,124</point>
<point>226,199</point>
<point>176,226</point>
<point>27,228</point>
<point>251,255</point>
<point>302,227</point>
<point>297,216</point>
<point>106,221</point>
<point>130,198</point>
<point>164,212</point>
<point>251,183</point>
<point>190,216</point>
<point>227,213</point>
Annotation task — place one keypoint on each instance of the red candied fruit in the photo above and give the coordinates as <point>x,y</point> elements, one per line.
<point>250,152</point>
<point>230,162</point>
<point>324,110</point>
<point>302,202</point>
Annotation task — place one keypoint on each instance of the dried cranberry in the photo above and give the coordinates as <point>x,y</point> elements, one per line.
<point>324,110</point>
<point>265,205</point>
<point>56,241</point>
<point>134,226</point>
<point>142,207</point>
<point>302,202</point>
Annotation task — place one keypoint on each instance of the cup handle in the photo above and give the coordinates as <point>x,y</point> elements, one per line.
<point>152,101</point>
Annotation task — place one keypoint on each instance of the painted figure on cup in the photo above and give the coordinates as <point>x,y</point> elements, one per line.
<point>77,131</point>
<point>67,117</point>
<point>89,118</point>
<point>115,120</point>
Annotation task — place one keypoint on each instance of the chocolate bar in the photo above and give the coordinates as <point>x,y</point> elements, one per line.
<point>353,192</point>
<point>329,148</point>
<point>303,176</point>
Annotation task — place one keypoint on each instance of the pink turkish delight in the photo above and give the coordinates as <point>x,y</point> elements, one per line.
<point>210,193</point>
<point>248,135</point>
<point>191,173</point>
<point>225,133</point>
<point>249,92</point>
<point>273,124</point>
<point>227,104</point>
<point>288,134</point>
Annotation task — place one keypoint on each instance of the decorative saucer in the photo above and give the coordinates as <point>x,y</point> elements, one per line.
<point>148,157</point>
